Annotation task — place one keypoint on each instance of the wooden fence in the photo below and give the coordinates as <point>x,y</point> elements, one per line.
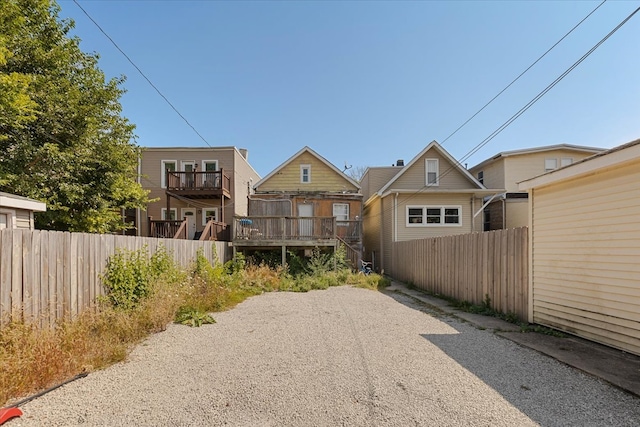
<point>469,267</point>
<point>50,275</point>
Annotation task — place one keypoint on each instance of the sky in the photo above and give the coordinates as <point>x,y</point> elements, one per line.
<point>365,83</point>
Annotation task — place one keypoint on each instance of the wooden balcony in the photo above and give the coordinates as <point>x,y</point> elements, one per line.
<point>167,229</point>
<point>294,231</point>
<point>199,185</point>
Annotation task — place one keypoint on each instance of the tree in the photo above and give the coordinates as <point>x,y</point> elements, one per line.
<point>356,172</point>
<point>62,137</point>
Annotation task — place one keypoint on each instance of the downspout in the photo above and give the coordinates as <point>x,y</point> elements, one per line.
<point>395,218</point>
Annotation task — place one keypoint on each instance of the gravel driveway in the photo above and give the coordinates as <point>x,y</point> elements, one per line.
<point>343,356</point>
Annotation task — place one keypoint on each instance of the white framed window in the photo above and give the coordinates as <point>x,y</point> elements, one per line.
<point>209,165</point>
<point>481,177</point>
<point>173,214</point>
<point>170,165</point>
<point>305,174</point>
<point>434,216</point>
<point>550,164</point>
<point>341,211</point>
<point>209,213</point>
<point>566,161</point>
<point>432,172</point>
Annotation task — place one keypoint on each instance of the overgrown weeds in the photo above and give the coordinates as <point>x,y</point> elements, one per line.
<point>144,294</point>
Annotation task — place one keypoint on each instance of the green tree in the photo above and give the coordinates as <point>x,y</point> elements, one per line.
<point>63,139</point>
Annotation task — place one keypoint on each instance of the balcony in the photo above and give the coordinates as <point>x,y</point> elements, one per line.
<point>199,185</point>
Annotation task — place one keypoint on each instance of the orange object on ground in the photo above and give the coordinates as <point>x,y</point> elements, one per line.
<point>7,413</point>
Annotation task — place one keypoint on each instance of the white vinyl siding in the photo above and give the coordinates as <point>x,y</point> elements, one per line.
<point>585,252</point>
<point>432,172</point>
<point>166,165</point>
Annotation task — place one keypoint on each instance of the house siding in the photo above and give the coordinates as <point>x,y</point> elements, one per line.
<point>323,178</point>
<point>372,225</point>
<point>376,178</point>
<point>585,256</point>
<point>493,174</point>
<point>229,160</point>
<point>449,176</point>
<point>423,232</point>
<point>23,219</point>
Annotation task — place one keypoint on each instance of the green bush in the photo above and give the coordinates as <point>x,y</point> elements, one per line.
<point>127,278</point>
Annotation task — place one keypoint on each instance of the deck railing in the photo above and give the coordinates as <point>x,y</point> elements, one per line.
<point>167,229</point>
<point>349,231</point>
<point>209,180</point>
<point>215,230</point>
<point>284,228</point>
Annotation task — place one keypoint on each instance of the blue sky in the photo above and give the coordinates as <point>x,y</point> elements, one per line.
<point>367,83</point>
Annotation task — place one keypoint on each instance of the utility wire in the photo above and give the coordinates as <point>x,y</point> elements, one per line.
<point>142,74</point>
<point>521,74</point>
<point>524,108</point>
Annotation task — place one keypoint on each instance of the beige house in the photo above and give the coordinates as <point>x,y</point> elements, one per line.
<point>16,212</point>
<point>433,195</point>
<point>506,169</point>
<point>196,184</point>
<point>305,202</point>
<point>584,248</point>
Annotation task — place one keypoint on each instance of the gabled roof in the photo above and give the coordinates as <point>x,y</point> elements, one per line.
<point>445,154</point>
<point>582,148</point>
<point>306,149</point>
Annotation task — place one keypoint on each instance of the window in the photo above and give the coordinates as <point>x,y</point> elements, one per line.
<point>209,165</point>
<point>172,214</point>
<point>565,161</point>
<point>209,213</point>
<point>481,177</point>
<point>167,165</point>
<point>426,216</point>
<point>305,174</point>
<point>341,212</point>
<point>550,164</point>
<point>432,174</point>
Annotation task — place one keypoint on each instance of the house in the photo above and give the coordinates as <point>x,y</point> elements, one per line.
<point>432,195</point>
<point>303,203</point>
<point>506,169</point>
<point>584,248</point>
<point>194,186</point>
<point>16,212</point>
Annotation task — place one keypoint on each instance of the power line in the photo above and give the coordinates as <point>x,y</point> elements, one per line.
<point>525,107</point>
<point>142,74</point>
<point>521,74</point>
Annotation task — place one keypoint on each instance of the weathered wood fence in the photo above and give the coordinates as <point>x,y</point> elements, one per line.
<point>50,275</point>
<point>469,267</point>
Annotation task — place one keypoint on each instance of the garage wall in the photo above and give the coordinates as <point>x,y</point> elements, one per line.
<point>586,256</point>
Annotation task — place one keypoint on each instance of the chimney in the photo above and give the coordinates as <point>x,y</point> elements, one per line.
<point>244,152</point>
<point>400,162</point>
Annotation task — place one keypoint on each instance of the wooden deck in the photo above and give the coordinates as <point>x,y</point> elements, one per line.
<point>199,185</point>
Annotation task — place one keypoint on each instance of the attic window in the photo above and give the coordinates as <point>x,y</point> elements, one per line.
<point>481,177</point>
<point>550,164</point>
<point>432,175</point>
<point>305,174</point>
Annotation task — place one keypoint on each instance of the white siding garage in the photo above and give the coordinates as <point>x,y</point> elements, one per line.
<point>585,248</point>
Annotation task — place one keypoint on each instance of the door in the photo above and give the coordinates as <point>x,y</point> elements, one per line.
<point>190,215</point>
<point>305,226</point>
<point>189,168</point>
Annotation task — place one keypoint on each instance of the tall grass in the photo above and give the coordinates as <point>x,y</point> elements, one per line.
<point>144,295</point>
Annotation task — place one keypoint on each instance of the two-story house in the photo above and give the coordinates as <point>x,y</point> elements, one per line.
<point>432,195</point>
<point>303,203</point>
<point>196,185</point>
<point>506,169</point>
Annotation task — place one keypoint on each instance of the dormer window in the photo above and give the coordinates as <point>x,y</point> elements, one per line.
<point>305,174</point>
<point>432,174</point>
